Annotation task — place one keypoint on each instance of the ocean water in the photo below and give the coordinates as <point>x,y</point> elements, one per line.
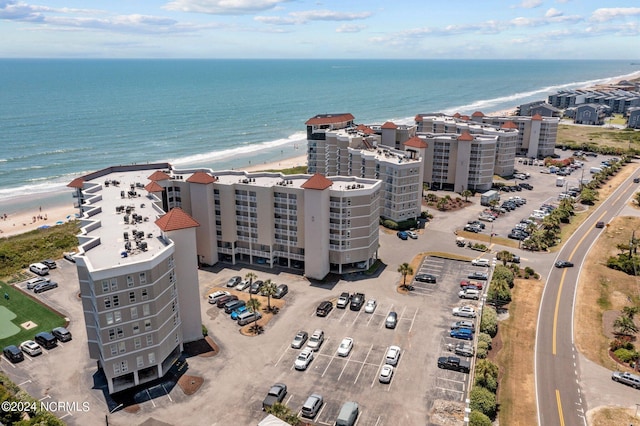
<point>62,118</point>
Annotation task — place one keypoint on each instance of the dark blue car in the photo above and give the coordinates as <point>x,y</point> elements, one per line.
<point>238,311</point>
<point>402,235</point>
<point>461,333</point>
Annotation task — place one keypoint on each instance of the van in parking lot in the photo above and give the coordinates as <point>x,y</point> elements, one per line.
<point>248,317</point>
<point>348,414</point>
<point>468,293</point>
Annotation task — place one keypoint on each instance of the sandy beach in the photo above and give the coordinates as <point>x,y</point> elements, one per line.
<point>285,163</point>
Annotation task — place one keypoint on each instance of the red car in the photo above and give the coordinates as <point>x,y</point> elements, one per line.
<point>476,284</point>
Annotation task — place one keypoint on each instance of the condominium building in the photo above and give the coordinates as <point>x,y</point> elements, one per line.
<point>536,134</point>
<point>137,270</point>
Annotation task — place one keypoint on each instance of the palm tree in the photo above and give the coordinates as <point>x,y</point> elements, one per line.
<point>625,325</point>
<point>499,292</point>
<point>283,412</point>
<point>268,289</point>
<point>466,194</point>
<point>630,311</point>
<point>405,269</point>
<point>254,306</point>
<point>505,256</point>
<point>250,276</point>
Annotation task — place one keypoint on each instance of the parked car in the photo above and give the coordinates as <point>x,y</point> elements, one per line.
<point>345,346</point>
<point>412,235</point>
<point>30,347</point>
<point>224,299</point>
<point>281,290</point>
<point>454,363</point>
<point>393,355</point>
<point>237,311</point>
<point>299,340</point>
<point>469,293</point>
<point>472,228</point>
<point>463,324</point>
<point>46,340</point>
<point>628,379</point>
<point>48,285</point>
<point>215,296</point>
<point>312,405</point>
<point>254,288</point>
<point>39,269</point>
<point>461,333</point>
<point>232,305</point>
<point>242,285</point>
<point>477,276</point>
<point>425,278</point>
<point>35,281</point>
<point>464,349</point>
<point>13,353</point>
<point>69,255</point>
<point>468,283</point>
<point>357,300</point>
<point>234,281</point>
<point>316,339</point>
<point>402,235</point>
<point>392,320</point>
<point>343,300</point>
<point>464,311</point>
<point>370,306</point>
<point>61,334</point>
<point>276,393</point>
<point>481,262</point>
<point>386,373</point>
<point>515,259</point>
<point>50,263</point>
<point>563,264</point>
<point>324,308</point>
<point>304,359</point>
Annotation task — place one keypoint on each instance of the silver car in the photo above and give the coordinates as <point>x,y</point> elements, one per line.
<point>299,340</point>
<point>30,347</point>
<point>316,339</point>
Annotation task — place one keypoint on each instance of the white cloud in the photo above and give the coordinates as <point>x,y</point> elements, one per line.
<point>552,13</point>
<point>350,28</point>
<point>223,7</point>
<point>608,14</point>
<point>312,15</point>
<point>563,1</point>
<point>529,4</point>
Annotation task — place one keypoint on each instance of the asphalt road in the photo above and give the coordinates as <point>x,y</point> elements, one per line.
<point>559,397</point>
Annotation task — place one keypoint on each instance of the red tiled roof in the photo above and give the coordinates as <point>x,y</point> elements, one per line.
<point>416,142</point>
<point>509,125</point>
<point>329,118</point>
<point>465,136</point>
<point>388,125</point>
<point>76,183</point>
<point>201,177</point>
<point>175,220</point>
<point>159,175</point>
<point>418,118</point>
<point>456,115</point>
<point>464,117</point>
<point>317,181</point>
<point>477,114</point>
<point>537,117</point>
<point>154,187</point>
<point>365,129</point>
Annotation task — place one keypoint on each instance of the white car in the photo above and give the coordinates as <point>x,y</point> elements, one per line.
<point>244,284</point>
<point>315,341</point>
<point>304,359</point>
<point>393,355</point>
<point>412,235</point>
<point>370,306</point>
<point>213,297</point>
<point>464,311</point>
<point>345,346</point>
<point>386,373</point>
<point>31,347</point>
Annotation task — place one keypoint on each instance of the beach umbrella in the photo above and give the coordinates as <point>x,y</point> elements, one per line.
<point>69,216</point>
<point>59,222</point>
<point>43,227</point>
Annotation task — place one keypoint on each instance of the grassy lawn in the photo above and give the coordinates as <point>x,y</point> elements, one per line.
<point>597,136</point>
<point>299,170</point>
<point>27,309</point>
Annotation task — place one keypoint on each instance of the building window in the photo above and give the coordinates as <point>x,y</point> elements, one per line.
<point>114,284</point>
<point>129,281</point>
<point>105,286</point>
<point>145,310</point>
<point>114,349</point>
<point>124,366</point>
<point>175,319</point>
<point>107,302</point>
<point>177,339</point>
<point>152,358</point>
<point>147,325</point>
<point>136,328</point>
<point>137,343</point>
<point>112,334</point>
<point>119,332</point>
<point>134,313</point>
<point>116,368</point>
<point>140,361</point>
<point>122,347</point>
<point>145,294</point>
<point>116,301</point>
<point>132,297</point>
<point>117,316</point>
<point>143,278</point>
<point>149,341</point>
<point>109,317</point>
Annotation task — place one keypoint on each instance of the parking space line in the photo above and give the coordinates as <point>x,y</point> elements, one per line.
<point>345,366</point>
<point>165,390</point>
<point>288,399</point>
<point>450,390</point>
<point>452,380</point>
<point>44,397</point>
<point>362,366</point>
<point>68,414</point>
<point>24,383</point>
<point>320,412</point>
<point>10,363</point>
<point>413,320</point>
<point>150,399</point>
<point>281,356</point>
<point>327,367</point>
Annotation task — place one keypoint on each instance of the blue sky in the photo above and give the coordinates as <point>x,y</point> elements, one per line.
<point>536,29</point>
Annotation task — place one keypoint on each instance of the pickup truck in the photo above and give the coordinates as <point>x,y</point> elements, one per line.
<point>454,363</point>
<point>276,394</point>
<point>343,300</point>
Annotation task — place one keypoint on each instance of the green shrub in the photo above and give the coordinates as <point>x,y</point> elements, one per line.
<point>390,224</point>
<point>482,350</point>
<point>476,418</point>
<point>489,321</point>
<point>622,342</point>
<point>407,224</point>
<point>484,337</point>
<point>486,375</point>
<point>483,400</point>
<point>503,273</point>
<point>626,355</point>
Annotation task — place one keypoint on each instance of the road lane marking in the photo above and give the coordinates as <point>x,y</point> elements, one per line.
<point>560,415</point>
